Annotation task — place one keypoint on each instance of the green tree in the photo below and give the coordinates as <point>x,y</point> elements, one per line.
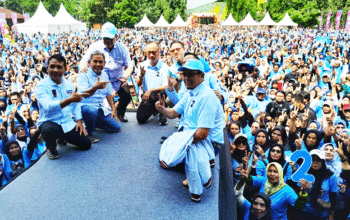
<point>124,13</point>
<point>96,11</point>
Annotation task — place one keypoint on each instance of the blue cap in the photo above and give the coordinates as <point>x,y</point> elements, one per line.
<point>261,90</point>
<point>108,30</point>
<point>192,65</point>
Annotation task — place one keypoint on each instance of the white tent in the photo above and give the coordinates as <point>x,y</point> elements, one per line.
<point>287,21</point>
<point>267,21</point>
<point>161,22</point>
<point>41,21</point>
<point>248,21</point>
<point>144,22</point>
<point>66,22</point>
<point>229,21</point>
<point>178,22</point>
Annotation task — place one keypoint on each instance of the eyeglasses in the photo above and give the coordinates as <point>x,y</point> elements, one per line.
<point>340,127</point>
<point>276,151</point>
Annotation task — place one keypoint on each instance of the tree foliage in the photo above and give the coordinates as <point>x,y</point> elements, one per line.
<point>305,13</point>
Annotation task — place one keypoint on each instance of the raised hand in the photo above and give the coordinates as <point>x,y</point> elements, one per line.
<point>245,159</point>
<point>101,84</point>
<point>294,114</point>
<point>123,81</point>
<point>232,147</point>
<point>299,142</point>
<point>260,150</point>
<point>340,150</point>
<point>304,185</point>
<point>171,83</point>
<point>160,104</point>
<point>77,97</point>
<point>3,116</point>
<point>143,72</point>
<point>255,159</point>
<point>305,116</point>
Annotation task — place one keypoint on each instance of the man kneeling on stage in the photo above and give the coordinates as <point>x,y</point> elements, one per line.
<point>95,82</point>
<point>191,144</point>
<point>58,100</point>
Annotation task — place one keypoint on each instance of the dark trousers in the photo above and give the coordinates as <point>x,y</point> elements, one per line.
<point>148,107</point>
<point>51,131</point>
<point>124,100</point>
<point>308,216</point>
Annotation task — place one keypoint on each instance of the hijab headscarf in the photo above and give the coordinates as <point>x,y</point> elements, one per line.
<point>270,188</point>
<point>318,137</point>
<point>267,215</point>
<point>320,175</point>
<point>284,137</point>
<point>334,164</point>
<point>239,154</point>
<point>267,144</point>
<point>281,161</point>
<point>7,151</point>
<point>318,124</point>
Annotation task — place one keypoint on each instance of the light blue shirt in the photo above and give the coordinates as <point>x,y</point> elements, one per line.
<point>116,60</point>
<point>155,76</point>
<point>88,80</point>
<point>49,95</point>
<point>200,108</point>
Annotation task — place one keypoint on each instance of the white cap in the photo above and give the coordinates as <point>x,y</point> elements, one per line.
<point>318,153</point>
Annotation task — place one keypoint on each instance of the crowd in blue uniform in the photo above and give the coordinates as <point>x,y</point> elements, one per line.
<point>274,92</point>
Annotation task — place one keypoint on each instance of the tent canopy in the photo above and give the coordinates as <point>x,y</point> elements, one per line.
<point>248,21</point>
<point>144,22</point>
<point>267,21</point>
<point>40,17</point>
<point>66,22</point>
<point>287,21</point>
<point>161,22</point>
<point>178,22</point>
<point>229,21</point>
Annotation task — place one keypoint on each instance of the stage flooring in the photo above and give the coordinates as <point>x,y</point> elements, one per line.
<point>118,178</point>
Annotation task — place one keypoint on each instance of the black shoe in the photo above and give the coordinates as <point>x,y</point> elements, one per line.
<point>52,154</point>
<point>123,118</point>
<point>212,163</point>
<point>195,198</point>
<point>208,184</point>
<point>162,120</point>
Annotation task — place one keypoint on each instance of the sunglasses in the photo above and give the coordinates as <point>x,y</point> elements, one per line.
<point>239,142</point>
<point>276,151</point>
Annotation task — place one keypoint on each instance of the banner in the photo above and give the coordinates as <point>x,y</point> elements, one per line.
<point>2,23</point>
<point>26,17</point>
<point>347,24</point>
<point>14,21</point>
<point>328,20</point>
<point>320,26</point>
<point>337,19</point>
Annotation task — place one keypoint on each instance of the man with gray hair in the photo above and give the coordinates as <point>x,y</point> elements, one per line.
<point>95,82</point>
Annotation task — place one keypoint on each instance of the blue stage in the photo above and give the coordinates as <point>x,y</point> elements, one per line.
<point>119,178</point>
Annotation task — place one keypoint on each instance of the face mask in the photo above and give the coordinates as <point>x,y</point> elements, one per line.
<point>272,97</point>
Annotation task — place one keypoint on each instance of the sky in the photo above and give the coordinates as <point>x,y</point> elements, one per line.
<point>196,3</point>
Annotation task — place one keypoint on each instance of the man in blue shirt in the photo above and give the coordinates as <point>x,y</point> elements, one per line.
<point>58,100</point>
<point>117,59</point>
<point>154,80</point>
<point>95,82</point>
<point>198,108</point>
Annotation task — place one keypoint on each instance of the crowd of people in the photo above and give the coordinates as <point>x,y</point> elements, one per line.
<point>275,91</point>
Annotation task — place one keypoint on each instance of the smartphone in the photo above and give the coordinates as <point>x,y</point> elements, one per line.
<point>279,86</point>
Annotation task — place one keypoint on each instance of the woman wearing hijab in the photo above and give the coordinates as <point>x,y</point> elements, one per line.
<point>258,208</point>
<point>262,139</point>
<point>279,134</point>
<point>312,140</point>
<point>275,154</point>
<point>332,159</point>
<point>5,170</point>
<point>239,149</point>
<point>19,160</point>
<point>280,194</point>
<point>323,193</point>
